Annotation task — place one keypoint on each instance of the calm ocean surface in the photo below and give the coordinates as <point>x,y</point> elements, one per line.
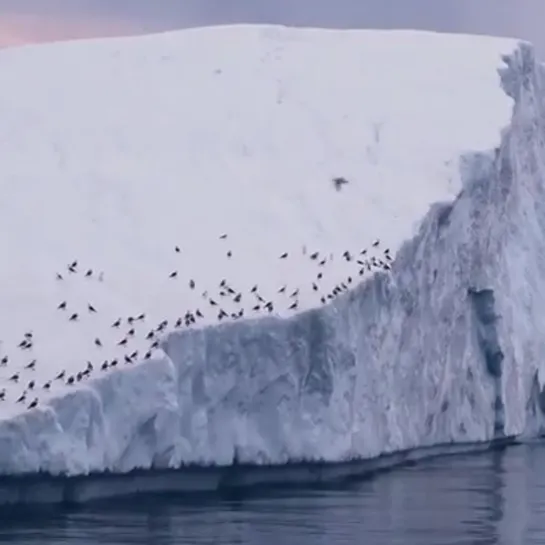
<point>490,498</point>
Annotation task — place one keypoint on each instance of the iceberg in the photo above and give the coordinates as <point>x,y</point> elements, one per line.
<point>179,167</point>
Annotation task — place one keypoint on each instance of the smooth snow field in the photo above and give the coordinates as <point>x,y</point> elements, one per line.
<point>153,187</point>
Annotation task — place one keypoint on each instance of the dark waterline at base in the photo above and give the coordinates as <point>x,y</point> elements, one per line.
<point>495,497</point>
<point>47,489</point>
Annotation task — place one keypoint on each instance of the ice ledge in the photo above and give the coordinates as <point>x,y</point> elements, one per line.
<point>447,349</point>
<point>223,480</point>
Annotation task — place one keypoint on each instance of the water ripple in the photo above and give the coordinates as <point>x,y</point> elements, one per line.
<point>485,499</point>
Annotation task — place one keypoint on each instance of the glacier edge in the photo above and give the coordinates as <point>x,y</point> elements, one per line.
<point>446,349</point>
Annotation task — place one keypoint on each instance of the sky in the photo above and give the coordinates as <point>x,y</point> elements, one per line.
<point>23,21</point>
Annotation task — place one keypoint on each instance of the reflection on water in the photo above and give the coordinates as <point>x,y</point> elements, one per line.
<point>491,498</point>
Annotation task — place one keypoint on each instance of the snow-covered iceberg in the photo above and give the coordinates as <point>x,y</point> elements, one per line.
<point>443,348</point>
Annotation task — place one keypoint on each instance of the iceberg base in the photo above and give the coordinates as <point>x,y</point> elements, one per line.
<point>47,489</point>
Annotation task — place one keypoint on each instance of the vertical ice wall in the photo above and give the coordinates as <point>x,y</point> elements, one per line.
<point>516,250</point>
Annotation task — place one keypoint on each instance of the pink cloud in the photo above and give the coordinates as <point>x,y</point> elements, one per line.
<point>18,29</point>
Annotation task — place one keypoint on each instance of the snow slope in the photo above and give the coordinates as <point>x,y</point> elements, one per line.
<point>116,151</point>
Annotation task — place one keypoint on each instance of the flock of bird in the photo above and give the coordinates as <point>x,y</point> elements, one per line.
<point>138,337</point>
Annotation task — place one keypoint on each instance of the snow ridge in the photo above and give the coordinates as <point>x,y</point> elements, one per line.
<point>444,349</point>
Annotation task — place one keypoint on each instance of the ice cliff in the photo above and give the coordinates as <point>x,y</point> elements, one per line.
<point>445,349</point>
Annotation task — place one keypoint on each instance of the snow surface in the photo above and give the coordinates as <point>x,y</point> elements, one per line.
<point>116,151</point>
